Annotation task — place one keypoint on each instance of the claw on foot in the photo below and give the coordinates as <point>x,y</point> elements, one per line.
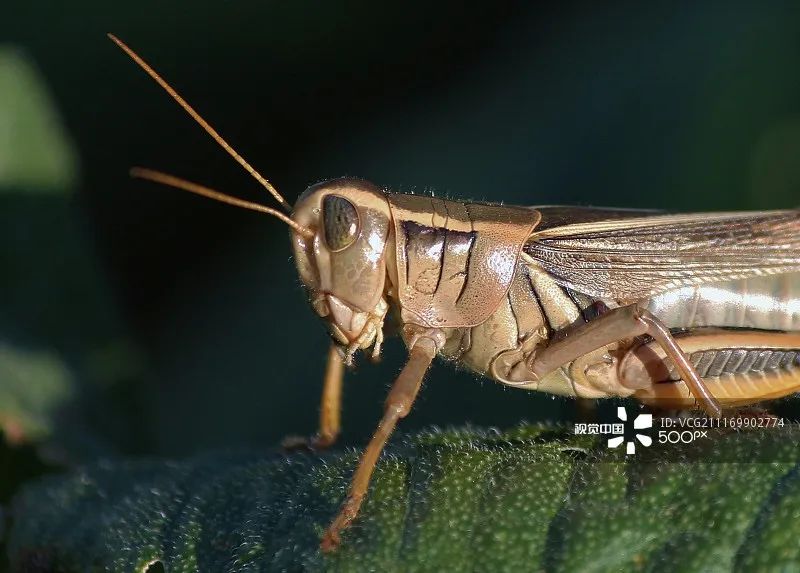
<point>330,542</point>
<point>332,538</point>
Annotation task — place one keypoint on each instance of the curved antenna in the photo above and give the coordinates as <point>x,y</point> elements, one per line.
<point>172,181</point>
<point>203,123</point>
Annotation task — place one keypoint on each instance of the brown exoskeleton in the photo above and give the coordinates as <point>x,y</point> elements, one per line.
<point>675,310</point>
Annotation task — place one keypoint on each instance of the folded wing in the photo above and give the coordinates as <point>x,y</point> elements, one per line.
<point>629,256</point>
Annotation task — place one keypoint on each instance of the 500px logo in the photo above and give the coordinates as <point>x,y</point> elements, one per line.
<point>676,430</point>
<point>680,436</point>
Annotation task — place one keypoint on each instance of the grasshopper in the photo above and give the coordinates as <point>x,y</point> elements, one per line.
<point>676,310</point>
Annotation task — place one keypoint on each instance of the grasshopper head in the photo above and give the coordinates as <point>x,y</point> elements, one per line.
<point>340,230</point>
<point>343,266</point>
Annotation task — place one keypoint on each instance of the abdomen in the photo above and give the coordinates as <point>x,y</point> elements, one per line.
<point>762,303</point>
<point>742,336</point>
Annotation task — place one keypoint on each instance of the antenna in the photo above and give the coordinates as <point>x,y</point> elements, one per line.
<point>203,123</point>
<point>172,181</point>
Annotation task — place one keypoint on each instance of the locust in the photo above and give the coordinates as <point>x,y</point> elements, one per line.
<point>696,310</point>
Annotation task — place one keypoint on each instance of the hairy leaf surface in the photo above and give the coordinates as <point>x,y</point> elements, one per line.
<point>533,498</point>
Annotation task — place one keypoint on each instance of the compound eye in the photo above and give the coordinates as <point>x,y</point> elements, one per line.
<point>340,221</point>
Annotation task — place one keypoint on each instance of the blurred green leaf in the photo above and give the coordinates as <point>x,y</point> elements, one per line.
<point>65,363</point>
<point>534,498</point>
<point>33,386</point>
<point>35,151</point>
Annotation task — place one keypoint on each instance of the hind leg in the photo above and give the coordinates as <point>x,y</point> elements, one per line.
<point>616,325</point>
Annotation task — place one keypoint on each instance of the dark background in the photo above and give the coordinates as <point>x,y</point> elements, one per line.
<point>205,337</point>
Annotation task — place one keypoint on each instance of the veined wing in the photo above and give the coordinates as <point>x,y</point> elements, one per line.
<point>628,257</point>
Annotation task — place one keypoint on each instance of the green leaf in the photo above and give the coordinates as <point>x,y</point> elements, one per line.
<point>534,498</point>
<point>33,386</point>
<point>66,363</point>
<point>35,151</point>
